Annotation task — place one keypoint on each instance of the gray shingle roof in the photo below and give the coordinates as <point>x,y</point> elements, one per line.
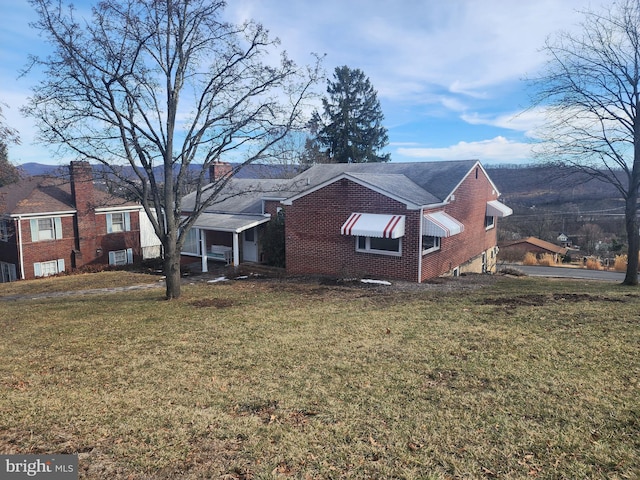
<point>243,195</point>
<point>437,180</point>
<point>418,183</point>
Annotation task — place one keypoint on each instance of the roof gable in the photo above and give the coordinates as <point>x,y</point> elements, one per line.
<point>415,184</point>
<point>543,244</point>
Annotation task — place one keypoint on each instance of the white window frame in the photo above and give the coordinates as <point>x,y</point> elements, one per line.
<point>367,247</point>
<point>121,257</point>
<point>4,230</point>
<point>489,224</point>
<point>48,268</point>
<point>436,244</point>
<point>118,222</point>
<point>56,229</point>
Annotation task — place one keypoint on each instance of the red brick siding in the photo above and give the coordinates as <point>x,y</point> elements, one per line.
<point>271,207</point>
<point>47,250</point>
<point>43,251</point>
<point>82,190</point>
<point>469,208</point>
<point>315,245</point>
<point>109,242</point>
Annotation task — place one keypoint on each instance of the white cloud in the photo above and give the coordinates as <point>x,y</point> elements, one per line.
<point>526,121</point>
<point>407,47</point>
<point>495,150</point>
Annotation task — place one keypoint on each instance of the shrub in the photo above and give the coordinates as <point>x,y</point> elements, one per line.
<point>620,263</point>
<point>273,242</point>
<point>547,260</point>
<point>594,264</point>
<point>530,259</point>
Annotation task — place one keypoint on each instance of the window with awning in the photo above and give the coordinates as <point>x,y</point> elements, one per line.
<point>439,224</point>
<point>498,209</point>
<point>374,225</point>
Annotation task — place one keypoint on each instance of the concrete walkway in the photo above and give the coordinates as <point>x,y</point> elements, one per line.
<point>92,291</point>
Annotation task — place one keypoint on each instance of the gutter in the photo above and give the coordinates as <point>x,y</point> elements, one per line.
<point>420,246</point>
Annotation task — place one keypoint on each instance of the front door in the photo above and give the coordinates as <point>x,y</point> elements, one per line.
<point>250,245</point>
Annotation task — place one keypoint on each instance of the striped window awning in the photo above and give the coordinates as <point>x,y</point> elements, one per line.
<point>498,209</point>
<point>374,225</point>
<point>439,224</point>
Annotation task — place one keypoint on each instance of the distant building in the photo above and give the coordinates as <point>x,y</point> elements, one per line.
<point>49,225</point>
<point>520,248</point>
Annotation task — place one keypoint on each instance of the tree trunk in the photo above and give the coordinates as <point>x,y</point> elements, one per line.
<point>633,236</point>
<point>172,270</point>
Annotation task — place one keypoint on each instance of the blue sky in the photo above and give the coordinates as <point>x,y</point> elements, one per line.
<point>449,73</point>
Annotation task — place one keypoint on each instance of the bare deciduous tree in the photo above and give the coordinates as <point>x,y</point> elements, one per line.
<point>164,86</point>
<point>591,88</point>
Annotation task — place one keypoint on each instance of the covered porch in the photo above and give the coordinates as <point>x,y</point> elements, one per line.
<point>224,237</point>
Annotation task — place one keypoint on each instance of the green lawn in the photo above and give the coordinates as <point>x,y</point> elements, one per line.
<point>525,378</point>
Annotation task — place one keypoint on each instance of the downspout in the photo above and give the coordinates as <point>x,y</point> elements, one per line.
<point>420,246</point>
<point>20,252</point>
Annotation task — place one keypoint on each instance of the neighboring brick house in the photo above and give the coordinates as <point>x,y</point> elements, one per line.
<point>409,221</point>
<point>518,249</point>
<point>49,225</point>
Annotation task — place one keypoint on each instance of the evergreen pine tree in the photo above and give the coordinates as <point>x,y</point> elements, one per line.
<point>351,127</point>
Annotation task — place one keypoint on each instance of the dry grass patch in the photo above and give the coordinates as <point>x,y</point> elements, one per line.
<point>313,381</point>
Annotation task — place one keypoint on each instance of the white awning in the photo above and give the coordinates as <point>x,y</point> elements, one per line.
<point>439,224</point>
<point>497,209</point>
<point>374,225</point>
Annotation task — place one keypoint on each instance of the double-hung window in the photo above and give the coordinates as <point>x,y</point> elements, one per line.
<point>46,229</point>
<point>118,222</point>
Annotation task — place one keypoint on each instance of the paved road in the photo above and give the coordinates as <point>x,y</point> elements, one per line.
<point>564,272</point>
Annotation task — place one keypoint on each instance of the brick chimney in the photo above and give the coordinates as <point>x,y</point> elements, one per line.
<point>218,170</point>
<point>83,198</point>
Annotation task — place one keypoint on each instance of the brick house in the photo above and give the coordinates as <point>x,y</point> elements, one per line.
<point>49,225</point>
<point>517,250</point>
<point>408,221</point>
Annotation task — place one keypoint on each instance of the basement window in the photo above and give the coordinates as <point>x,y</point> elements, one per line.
<point>121,257</point>
<point>45,269</point>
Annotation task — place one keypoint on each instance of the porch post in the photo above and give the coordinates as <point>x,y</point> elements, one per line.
<point>203,250</point>
<point>236,249</point>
